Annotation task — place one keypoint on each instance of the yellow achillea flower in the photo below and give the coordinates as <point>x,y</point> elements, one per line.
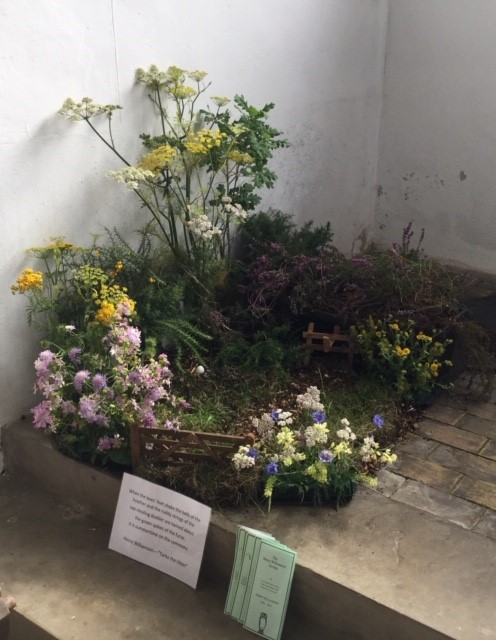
<point>106,313</point>
<point>204,140</point>
<point>403,353</point>
<point>157,159</point>
<point>394,326</point>
<point>27,281</point>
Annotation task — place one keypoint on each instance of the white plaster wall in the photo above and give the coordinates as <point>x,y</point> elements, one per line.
<point>320,61</point>
<point>437,159</point>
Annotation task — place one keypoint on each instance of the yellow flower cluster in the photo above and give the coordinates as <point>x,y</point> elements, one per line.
<point>394,326</point>
<point>403,353</point>
<point>423,338</point>
<point>204,140</point>
<point>157,159</point>
<point>318,471</point>
<point>239,157</point>
<point>434,367</point>
<point>106,313</point>
<point>27,281</point>
<point>285,437</point>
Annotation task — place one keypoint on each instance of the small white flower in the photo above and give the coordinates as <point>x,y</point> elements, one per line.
<point>131,176</point>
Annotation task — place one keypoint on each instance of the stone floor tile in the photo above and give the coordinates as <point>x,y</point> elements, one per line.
<point>483,410</point>
<point>474,424</point>
<point>453,436</point>
<point>439,503</point>
<point>388,482</point>
<point>489,450</point>
<point>487,524</point>
<point>479,491</point>
<point>463,462</point>
<point>416,446</point>
<point>444,413</point>
<point>427,472</point>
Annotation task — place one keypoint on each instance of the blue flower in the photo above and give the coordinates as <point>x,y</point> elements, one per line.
<point>253,453</point>
<point>275,414</point>
<point>378,420</point>
<point>319,416</point>
<point>326,456</point>
<point>272,468</point>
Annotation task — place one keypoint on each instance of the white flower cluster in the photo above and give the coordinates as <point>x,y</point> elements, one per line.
<point>368,450</point>
<point>242,460</point>
<point>265,427</point>
<point>316,434</point>
<point>152,77</point>
<point>85,109</point>
<point>283,418</point>
<point>236,211</point>
<point>310,400</point>
<point>131,176</point>
<point>346,433</point>
<point>202,226</point>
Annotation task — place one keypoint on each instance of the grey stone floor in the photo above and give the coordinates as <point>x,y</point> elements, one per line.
<point>448,466</point>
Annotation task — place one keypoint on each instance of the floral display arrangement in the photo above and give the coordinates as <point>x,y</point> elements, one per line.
<point>225,290</point>
<point>300,457</point>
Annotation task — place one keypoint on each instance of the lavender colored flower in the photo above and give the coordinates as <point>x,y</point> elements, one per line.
<point>75,355</point>
<point>80,378</point>
<point>105,443</point>
<point>378,420</point>
<point>272,468</point>
<point>88,409</point>
<point>275,414</point>
<point>99,381</point>
<point>326,456</point>
<point>42,416</point>
<point>319,417</point>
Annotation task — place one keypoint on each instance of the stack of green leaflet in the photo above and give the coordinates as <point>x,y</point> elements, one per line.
<point>260,582</point>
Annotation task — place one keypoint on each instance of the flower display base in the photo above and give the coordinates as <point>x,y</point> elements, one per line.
<point>328,497</point>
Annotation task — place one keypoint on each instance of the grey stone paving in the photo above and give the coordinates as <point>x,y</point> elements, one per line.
<point>448,467</point>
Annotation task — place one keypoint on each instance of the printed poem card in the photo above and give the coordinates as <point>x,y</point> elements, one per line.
<point>260,582</point>
<point>160,528</point>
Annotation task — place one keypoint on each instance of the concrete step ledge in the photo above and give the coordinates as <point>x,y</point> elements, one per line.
<point>375,570</point>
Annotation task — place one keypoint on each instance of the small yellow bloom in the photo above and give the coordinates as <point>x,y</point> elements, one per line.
<point>27,281</point>
<point>151,280</point>
<point>423,337</point>
<point>106,313</point>
<point>158,159</point>
<point>394,326</point>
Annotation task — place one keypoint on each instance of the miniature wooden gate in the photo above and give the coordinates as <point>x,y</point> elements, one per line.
<point>170,447</point>
<point>335,342</point>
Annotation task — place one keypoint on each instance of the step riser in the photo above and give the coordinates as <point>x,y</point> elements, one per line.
<point>337,610</point>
